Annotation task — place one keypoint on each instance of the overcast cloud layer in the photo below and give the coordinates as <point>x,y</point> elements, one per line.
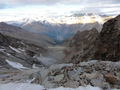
<point>52,2</point>
<point>50,7</point>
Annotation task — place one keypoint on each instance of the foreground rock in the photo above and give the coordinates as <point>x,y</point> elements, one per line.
<point>104,74</point>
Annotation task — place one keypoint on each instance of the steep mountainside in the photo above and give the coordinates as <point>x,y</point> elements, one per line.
<point>105,46</point>
<point>108,43</point>
<point>22,34</point>
<point>83,39</point>
<point>16,51</point>
<point>78,43</point>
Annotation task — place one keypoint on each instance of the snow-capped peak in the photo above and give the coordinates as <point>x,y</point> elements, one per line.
<point>21,22</point>
<point>84,19</point>
<point>99,19</point>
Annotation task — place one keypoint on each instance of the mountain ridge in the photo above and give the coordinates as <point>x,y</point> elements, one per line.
<point>105,46</point>
<point>22,34</point>
<point>60,28</point>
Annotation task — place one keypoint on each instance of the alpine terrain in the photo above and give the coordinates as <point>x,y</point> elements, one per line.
<point>76,52</point>
<point>61,27</point>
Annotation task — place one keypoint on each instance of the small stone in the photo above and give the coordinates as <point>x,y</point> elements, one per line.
<point>91,76</point>
<point>73,75</point>
<point>58,78</point>
<point>96,82</point>
<point>72,84</point>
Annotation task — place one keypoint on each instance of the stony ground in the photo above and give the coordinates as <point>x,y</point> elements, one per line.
<point>104,74</point>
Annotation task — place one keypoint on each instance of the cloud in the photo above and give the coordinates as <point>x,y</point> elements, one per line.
<point>62,6</point>
<point>52,2</point>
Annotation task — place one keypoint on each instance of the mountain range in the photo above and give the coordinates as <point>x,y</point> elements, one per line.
<point>18,32</point>
<point>61,27</point>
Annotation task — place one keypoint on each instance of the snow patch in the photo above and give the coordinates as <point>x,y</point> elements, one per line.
<point>16,65</point>
<point>21,49</point>
<point>14,49</point>
<point>2,49</point>
<point>27,86</point>
<point>34,66</point>
<point>99,19</point>
<point>8,54</point>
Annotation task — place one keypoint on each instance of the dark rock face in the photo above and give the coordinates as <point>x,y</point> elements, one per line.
<point>19,51</point>
<point>104,46</point>
<point>108,43</point>
<point>78,45</point>
<point>83,39</point>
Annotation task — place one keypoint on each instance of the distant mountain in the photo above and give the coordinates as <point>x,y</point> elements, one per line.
<point>60,28</point>
<point>24,35</point>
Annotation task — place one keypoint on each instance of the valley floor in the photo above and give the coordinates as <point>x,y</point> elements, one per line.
<point>54,55</point>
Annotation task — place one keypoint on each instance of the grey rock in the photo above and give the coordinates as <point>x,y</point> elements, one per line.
<point>72,84</point>
<point>58,78</point>
<point>44,73</point>
<point>73,75</point>
<point>48,84</point>
<point>96,82</point>
<point>91,76</point>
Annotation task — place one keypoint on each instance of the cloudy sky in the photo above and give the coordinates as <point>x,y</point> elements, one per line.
<point>57,7</point>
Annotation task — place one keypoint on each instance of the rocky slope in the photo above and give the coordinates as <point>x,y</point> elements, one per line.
<point>78,43</point>
<point>108,43</point>
<point>22,34</point>
<point>103,74</point>
<point>104,46</point>
<point>16,51</point>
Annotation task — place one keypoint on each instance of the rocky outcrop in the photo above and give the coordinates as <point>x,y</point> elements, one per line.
<point>107,44</point>
<point>77,46</point>
<point>104,46</point>
<point>83,39</point>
